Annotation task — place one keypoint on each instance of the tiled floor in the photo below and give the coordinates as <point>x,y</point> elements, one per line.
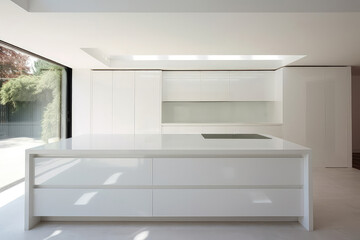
<point>336,213</point>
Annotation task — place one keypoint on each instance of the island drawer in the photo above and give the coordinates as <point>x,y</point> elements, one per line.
<point>93,202</point>
<point>227,202</point>
<point>93,171</point>
<point>228,171</point>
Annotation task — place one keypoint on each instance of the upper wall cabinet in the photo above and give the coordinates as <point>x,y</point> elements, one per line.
<point>214,86</point>
<point>222,86</point>
<point>253,86</point>
<point>181,86</point>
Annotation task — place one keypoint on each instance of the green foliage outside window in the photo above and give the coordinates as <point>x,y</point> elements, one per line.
<point>42,84</point>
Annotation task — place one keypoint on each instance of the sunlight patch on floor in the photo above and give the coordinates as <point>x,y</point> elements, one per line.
<point>11,194</point>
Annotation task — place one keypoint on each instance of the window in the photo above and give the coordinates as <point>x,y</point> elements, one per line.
<point>33,108</point>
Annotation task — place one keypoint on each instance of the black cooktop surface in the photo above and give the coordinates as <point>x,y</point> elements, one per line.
<point>234,136</point>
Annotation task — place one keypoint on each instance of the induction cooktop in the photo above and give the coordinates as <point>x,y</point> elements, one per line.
<point>234,136</point>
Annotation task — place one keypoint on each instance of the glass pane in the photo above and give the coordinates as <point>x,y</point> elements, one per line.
<point>30,109</point>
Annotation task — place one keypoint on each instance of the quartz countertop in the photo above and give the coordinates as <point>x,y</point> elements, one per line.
<point>166,144</point>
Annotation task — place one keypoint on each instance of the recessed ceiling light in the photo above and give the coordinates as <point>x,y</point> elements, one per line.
<point>226,57</point>
<point>191,62</point>
<point>266,57</point>
<point>206,57</point>
<point>145,57</point>
<point>183,57</point>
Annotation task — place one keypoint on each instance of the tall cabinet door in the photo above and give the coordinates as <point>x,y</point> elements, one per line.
<point>147,102</point>
<point>123,102</point>
<point>317,113</point>
<point>338,116</point>
<point>296,83</point>
<point>101,102</point>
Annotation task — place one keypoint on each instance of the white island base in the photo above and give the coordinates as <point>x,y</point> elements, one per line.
<point>168,178</point>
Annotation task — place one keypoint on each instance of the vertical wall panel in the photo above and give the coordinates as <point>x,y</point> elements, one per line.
<point>81,99</point>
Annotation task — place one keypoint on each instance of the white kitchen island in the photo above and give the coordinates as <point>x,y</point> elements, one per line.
<point>181,177</point>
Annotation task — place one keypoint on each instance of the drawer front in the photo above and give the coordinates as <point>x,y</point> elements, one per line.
<point>92,202</point>
<point>228,171</point>
<point>93,171</point>
<point>227,202</point>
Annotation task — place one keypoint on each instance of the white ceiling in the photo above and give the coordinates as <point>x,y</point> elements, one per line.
<point>189,5</point>
<point>326,38</point>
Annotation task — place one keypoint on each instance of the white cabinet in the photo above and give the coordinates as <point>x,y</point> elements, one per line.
<point>102,102</point>
<point>214,86</point>
<point>148,102</point>
<point>123,102</point>
<point>227,202</point>
<point>126,102</point>
<point>224,97</point>
<point>317,112</point>
<point>93,202</point>
<point>93,171</point>
<point>249,184</point>
<point>222,86</point>
<point>181,86</point>
<point>81,98</point>
<point>253,85</point>
<point>228,171</point>
<point>338,116</point>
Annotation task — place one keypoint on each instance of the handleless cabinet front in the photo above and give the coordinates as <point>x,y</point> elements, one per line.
<point>181,86</point>
<point>123,101</point>
<point>253,86</point>
<point>227,202</point>
<point>228,171</point>
<point>102,102</point>
<point>93,171</point>
<point>147,102</point>
<point>93,202</point>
